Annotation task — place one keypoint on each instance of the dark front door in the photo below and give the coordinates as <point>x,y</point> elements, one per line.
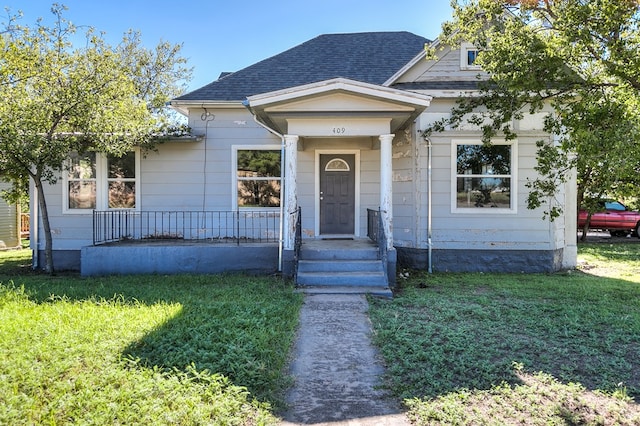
<point>337,193</point>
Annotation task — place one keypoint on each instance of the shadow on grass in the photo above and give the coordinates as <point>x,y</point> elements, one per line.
<point>235,325</point>
<point>238,326</point>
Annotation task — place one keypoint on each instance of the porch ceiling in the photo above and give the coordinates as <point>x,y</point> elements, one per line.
<point>338,101</point>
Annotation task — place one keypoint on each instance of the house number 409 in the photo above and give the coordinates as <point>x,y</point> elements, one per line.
<point>339,130</point>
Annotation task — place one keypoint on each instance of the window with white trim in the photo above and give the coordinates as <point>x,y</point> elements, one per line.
<point>257,177</point>
<point>121,181</point>
<point>468,56</point>
<point>96,181</point>
<point>484,176</point>
<point>81,182</point>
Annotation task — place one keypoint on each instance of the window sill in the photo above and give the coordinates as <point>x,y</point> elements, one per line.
<point>483,211</point>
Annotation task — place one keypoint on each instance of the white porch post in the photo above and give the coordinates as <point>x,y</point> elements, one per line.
<point>386,183</point>
<point>290,188</point>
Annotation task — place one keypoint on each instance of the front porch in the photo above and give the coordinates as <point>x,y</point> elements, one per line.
<point>194,242</point>
<point>343,130</point>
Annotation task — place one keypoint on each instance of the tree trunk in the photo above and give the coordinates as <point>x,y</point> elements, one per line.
<point>44,215</point>
<point>585,228</point>
<point>579,200</point>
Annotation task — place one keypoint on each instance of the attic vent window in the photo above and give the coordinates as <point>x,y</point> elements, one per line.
<point>471,57</point>
<point>468,56</point>
<point>337,165</point>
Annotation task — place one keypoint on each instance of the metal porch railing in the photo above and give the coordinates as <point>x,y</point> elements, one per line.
<point>249,226</point>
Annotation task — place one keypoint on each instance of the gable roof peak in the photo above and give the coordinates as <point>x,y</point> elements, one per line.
<point>369,57</point>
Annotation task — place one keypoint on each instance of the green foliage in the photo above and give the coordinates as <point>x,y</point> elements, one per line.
<point>143,350</point>
<point>59,98</point>
<point>578,62</point>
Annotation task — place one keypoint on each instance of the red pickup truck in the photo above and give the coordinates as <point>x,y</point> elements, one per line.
<point>614,217</point>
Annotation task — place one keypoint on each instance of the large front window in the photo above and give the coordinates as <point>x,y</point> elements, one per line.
<point>258,178</point>
<point>484,176</point>
<point>98,181</point>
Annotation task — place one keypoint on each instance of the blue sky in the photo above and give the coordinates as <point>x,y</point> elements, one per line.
<point>228,35</point>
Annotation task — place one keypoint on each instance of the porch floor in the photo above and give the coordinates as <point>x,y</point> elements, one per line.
<point>337,243</point>
<point>182,242</point>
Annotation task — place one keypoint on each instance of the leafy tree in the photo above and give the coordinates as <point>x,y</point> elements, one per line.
<point>59,98</point>
<point>579,61</point>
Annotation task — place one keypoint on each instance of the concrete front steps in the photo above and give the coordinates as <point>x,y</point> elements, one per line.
<point>341,267</point>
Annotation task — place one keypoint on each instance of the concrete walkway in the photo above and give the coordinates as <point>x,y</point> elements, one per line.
<point>336,368</point>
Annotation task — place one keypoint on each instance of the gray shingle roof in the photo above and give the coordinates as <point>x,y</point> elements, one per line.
<point>371,57</point>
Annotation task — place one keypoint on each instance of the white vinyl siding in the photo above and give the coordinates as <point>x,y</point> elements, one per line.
<point>199,175</point>
<point>448,68</point>
<point>407,197</point>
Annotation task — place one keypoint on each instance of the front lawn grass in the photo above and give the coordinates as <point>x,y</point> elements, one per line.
<point>460,348</point>
<point>142,349</point>
<point>518,348</point>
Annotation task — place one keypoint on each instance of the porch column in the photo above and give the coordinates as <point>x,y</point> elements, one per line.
<point>290,188</point>
<point>386,184</point>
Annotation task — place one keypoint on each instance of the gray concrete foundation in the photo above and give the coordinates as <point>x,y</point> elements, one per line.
<point>506,261</point>
<point>392,262</point>
<point>178,259</point>
<point>288,264</point>
<point>63,260</point>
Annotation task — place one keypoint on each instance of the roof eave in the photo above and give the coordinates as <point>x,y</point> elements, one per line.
<point>449,93</point>
<point>183,106</point>
<point>338,84</point>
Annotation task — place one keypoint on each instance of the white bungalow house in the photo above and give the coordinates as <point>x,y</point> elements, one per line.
<point>318,144</point>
